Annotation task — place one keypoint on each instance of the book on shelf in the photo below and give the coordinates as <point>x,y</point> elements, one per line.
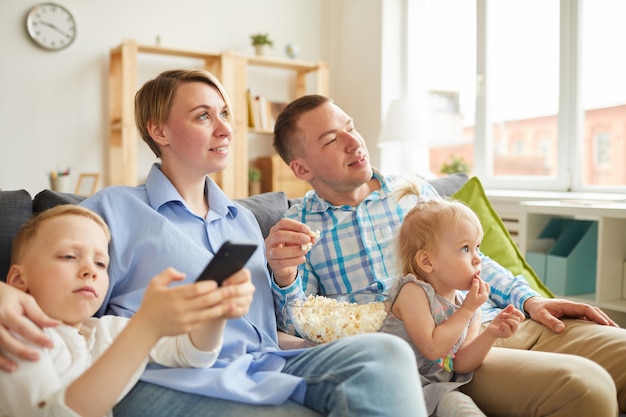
<point>275,108</point>
<point>262,112</point>
<point>254,110</point>
<point>250,104</point>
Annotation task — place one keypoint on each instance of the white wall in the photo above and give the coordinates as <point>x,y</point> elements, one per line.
<point>367,61</point>
<point>355,59</point>
<point>54,105</point>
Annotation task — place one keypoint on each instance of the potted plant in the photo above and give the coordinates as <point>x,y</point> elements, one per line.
<point>254,181</point>
<point>260,41</point>
<point>457,164</point>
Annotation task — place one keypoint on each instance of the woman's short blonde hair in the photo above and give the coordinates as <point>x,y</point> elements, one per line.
<point>153,101</point>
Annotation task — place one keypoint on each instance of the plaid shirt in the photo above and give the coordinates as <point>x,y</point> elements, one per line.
<point>355,251</point>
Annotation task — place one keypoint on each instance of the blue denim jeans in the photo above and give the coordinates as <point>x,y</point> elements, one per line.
<point>368,375</point>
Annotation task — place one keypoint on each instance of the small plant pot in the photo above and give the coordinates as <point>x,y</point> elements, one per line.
<point>260,49</point>
<point>254,188</point>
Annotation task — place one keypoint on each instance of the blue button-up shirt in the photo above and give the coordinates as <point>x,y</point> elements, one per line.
<point>152,228</point>
<point>355,251</point>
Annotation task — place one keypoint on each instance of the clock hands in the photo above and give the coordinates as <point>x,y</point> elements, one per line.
<point>50,25</point>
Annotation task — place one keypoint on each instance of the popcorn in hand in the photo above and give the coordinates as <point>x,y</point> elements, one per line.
<point>315,235</point>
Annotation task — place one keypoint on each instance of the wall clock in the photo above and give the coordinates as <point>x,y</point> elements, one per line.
<point>51,26</point>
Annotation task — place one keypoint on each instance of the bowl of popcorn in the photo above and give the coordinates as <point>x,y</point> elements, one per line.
<point>322,319</point>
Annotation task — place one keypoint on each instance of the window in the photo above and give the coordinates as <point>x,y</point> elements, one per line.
<point>539,89</point>
<point>520,73</point>
<point>444,60</point>
<point>603,93</point>
<point>602,150</point>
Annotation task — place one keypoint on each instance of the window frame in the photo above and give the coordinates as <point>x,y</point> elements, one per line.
<point>570,120</point>
<point>570,107</point>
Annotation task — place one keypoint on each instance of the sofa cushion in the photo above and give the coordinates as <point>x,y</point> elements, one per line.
<point>450,184</point>
<point>47,199</point>
<point>15,208</point>
<point>497,242</point>
<point>268,208</point>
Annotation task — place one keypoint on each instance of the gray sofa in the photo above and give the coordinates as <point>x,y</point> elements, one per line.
<point>18,206</point>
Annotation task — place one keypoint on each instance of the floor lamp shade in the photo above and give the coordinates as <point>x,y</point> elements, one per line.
<point>402,140</point>
<point>401,123</point>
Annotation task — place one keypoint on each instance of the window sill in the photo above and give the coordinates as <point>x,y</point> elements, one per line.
<point>515,196</point>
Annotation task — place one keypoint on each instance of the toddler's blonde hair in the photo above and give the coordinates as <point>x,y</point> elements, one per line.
<point>424,224</point>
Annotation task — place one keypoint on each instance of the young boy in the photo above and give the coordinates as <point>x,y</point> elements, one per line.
<point>61,257</point>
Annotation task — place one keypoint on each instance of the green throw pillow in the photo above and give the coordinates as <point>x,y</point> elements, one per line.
<point>497,242</point>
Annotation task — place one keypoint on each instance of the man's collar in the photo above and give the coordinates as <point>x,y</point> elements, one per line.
<point>318,204</point>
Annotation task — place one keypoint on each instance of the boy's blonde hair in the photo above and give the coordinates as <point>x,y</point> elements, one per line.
<point>424,224</point>
<point>29,230</point>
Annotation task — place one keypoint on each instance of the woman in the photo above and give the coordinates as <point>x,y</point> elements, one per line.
<point>178,219</point>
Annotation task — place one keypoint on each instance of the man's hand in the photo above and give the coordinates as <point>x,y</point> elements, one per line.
<point>548,311</point>
<point>20,314</point>
<point>284,249</point>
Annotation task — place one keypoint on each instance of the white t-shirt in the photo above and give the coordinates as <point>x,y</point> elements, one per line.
<point>38,388</point>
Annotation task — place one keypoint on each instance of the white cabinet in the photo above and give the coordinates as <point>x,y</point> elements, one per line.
<point>610,256</point>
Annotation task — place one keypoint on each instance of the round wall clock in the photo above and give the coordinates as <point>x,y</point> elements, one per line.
<point>51,26</point>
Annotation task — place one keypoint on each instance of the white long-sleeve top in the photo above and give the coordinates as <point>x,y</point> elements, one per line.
<point>38,388</point>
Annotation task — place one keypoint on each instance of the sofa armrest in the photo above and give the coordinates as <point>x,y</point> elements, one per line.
<point>15,208</point>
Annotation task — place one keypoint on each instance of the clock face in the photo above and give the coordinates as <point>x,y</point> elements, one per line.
<point>51,26</point>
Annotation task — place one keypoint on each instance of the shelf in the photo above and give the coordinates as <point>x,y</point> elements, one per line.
<point>610,291</point>
<point>260,131</point>
<point>589,298</point>
<point>231,69</point>
<point>277,176</point>
<point>585,208</point>
<point>288,64</point>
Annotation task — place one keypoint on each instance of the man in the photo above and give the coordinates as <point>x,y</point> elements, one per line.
<point>558,365</point>
<point>184,116</point>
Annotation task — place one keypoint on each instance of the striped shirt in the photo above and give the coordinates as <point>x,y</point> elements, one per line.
<point>355,251</point>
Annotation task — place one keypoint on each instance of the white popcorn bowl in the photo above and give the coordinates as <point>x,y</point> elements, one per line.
<point>322,319</point>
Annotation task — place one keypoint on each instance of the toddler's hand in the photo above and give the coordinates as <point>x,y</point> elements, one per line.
<point>477,294</point>
<point>506,323</point>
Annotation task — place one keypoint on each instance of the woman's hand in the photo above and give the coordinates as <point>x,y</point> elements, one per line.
<point>20,314</point>
<point>200,309</point>
<point>171,310</point>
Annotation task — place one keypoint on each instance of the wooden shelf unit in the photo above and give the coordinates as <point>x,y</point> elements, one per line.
<point>230,68</point>
<point>277,176</point>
